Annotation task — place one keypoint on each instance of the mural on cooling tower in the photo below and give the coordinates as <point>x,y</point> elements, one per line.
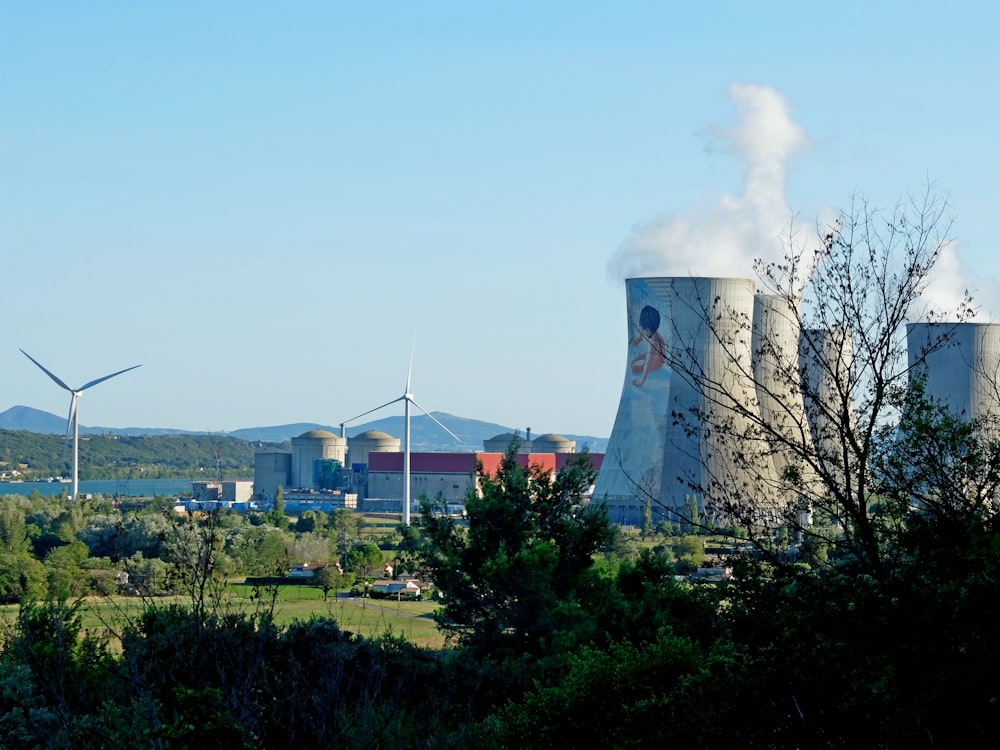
<point>651,454</point>
<point>633,463</point>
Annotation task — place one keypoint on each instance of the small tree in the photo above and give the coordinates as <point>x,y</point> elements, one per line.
<point>510,577</point>
<point>345,527</point>
<point>364,559</point>
<point>647,518</point>
<point>276,515</point>
<point>329,578</point>
<point>306,522</point>
<point>690,553</point>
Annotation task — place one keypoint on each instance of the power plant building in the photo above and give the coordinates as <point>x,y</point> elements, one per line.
<point>360,447</point>
<point>551,443</point>
<point>501,443</point>
<point>271,470</point>
<point>774,345</point>
<point>374,470</point>
<point>314,455</point>
<point>448,477</point>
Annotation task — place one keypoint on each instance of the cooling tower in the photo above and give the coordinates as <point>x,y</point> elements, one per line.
<point>777,378</point>
<point>664,447</point>
<point>825,360</point>
<point>962,367</point>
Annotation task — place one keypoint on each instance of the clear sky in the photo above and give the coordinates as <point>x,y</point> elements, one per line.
<point>268,205</point>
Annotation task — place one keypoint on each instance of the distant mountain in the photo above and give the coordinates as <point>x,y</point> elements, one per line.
<point>32,420</point>
<point>45,423</point>
<point>425,434</point>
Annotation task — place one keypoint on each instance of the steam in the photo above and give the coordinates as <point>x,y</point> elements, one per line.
<point>724,239</point>
<point>947,284</point>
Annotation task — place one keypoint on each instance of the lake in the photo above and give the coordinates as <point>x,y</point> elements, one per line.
<point>109,487</point>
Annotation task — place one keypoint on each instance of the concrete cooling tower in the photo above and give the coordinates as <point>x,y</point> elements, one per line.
<point>825,360</point>
<point>658,449</point>
<point>777,377</point>
<point>963,372</point>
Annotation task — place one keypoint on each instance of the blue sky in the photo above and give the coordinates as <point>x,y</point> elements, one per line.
<point>269,205</point>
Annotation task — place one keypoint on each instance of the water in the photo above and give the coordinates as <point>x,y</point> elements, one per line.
<point>109,487</point>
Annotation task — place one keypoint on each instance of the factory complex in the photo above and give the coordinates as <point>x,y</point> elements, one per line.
<point>325,471</point>
<point>772,377</point>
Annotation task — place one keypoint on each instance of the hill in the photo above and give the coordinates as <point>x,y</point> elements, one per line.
<point>425,434</point>
<point>129,456</point>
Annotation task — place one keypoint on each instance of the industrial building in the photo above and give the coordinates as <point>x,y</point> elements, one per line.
<point>325,471</point>
<point>215,493</point>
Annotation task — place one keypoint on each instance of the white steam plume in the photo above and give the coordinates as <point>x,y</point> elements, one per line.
<point>948,282</point>
<point>726,238</point>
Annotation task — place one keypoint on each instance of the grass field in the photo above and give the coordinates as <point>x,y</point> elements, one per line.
<point>368,617</point>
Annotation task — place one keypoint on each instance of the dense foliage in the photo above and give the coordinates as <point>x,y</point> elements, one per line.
<point>568,634</point>
<point>509,575</point>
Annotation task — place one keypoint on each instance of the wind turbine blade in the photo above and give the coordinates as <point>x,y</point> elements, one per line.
<point>457,438</point>
<point>106,377</point>
<point>409,370</point>
<point>366,413</point>
<point>47,372</point>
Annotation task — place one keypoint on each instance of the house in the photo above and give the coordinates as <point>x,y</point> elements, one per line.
<point>396,589</point>
<point>308,569</point>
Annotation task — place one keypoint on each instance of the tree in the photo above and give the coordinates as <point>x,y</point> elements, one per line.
<point>260,550</point>
<point>407,551</point>
<point>13,530</point>
<point>801,430</point>
<point>647,518</point>
<point>939,464</point>
<point>510,578</point>
<point>306,522</point>
<point>329,578</point>
<point>690,553</point>
<point>151,576</point>
<point>345,525</point>
<point>196,551</point>
<point>66,577</point>
<point>276,515</point>
<point>364,558</point>
<point>310,547</point>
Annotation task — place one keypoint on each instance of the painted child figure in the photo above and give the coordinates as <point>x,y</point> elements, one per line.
<point>655,357</point>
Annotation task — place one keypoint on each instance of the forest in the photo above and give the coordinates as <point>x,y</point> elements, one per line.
<point>36,457</point>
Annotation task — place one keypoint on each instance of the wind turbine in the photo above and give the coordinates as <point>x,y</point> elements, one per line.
<point>74,414</point>
<point>407,399</point>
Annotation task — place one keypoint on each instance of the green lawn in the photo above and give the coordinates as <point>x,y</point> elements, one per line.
<point>367,617</point>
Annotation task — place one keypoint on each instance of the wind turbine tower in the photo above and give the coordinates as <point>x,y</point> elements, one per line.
<point>74,415</point>
<point>407,399</point>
